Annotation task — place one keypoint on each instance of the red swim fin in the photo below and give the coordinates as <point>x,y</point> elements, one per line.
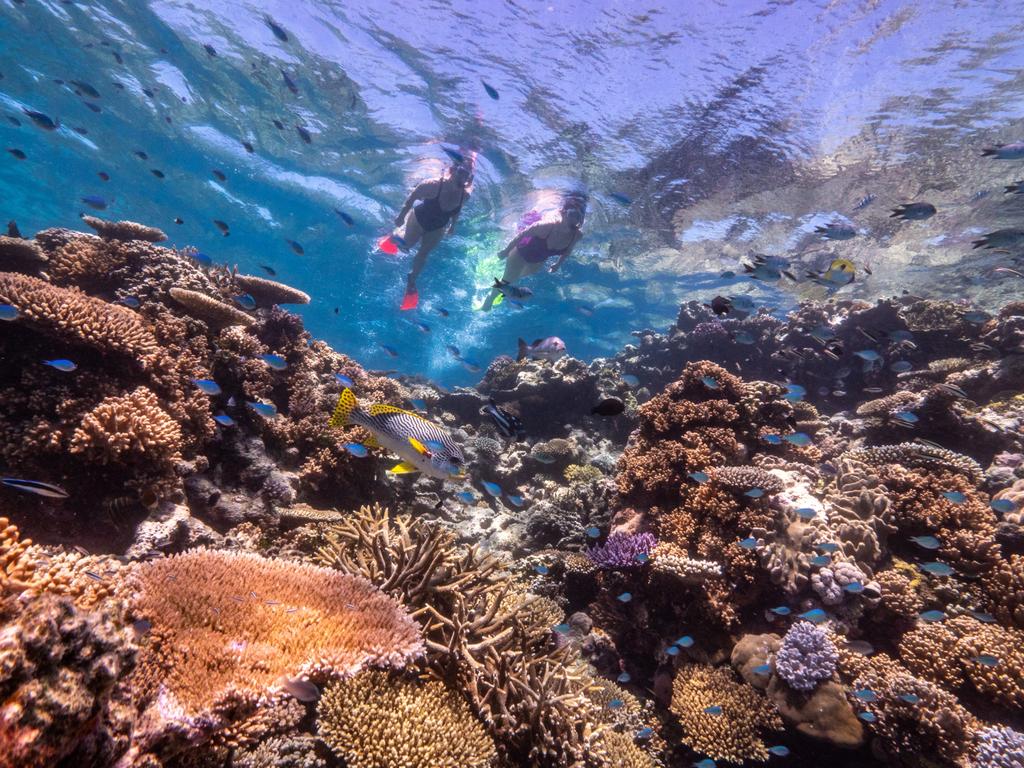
<point>410,300</point>
<point>388,245</point>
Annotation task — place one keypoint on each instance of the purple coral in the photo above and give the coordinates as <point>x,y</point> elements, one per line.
<point>1000,747</point>
<point>622,550</point>
<point>806,656</point>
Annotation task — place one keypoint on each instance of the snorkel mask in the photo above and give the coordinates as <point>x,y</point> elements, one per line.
<point>462,173</point>
<point>572,214</point>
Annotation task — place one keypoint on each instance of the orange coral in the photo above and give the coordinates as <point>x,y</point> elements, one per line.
<point>72,316</point>
<point>128,429</point>
<point>1004,588</point>
<point>228,625</point>
<point>124,230</point>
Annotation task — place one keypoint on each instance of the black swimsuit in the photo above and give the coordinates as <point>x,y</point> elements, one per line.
<point>431,216</point>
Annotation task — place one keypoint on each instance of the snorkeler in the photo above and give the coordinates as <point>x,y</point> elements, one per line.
<point>440,202</point>
<point>531,248</point>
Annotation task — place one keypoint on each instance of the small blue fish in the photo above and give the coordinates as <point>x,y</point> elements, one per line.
<point>866,694</point>
<point>781,610</point>
<point>454,351</point>
<point>749,543</point>
<point>389,350</point>
<point>984,618</point>
<point>202,259</point>
<point>901,366</point>
<point>466,497</point>
<point>593,531</point>
<point>772,439</point>
<point>755,493</point>
<point>8,312</point>
<point>854,588</point>
<point>868,355</point>
<point>207,386</point>
<point>779,750</point>
<point>699,477</point>
<point>976,318</point>
<point>743,337</point>
<point>419,405</point>
<point>806,513</point>
<point>344,380</point>
<point>421,326</point>
<point>37,487</point>
<point>616,704</point>
<point>672,650</point>
<point>224,420</point>
<point>542,569</point>
<point>710,382</point>
<point>707,762</point>
<point>955,496</point>
<point>96,202</point>
<point>986,660</point>
<point>491,91</point>
<point>245,301</point>
<point>932,616</point>
<point>762,670</point>
<point>645,733</point>
<point>714,709</point>
<point>1003,506</point>
<point>815,615</point>
<point>798,439</point>
<point>642,557</point>
<point>821,560</point>
<point>625,597</point>
<point>515,501</point>
<point>910,698</point>
<point>827,546</point>
<point>906,417</point>
<point>471,365</point>
<point>267,410</point>
<point>131,302</point>
<point>867,717</point>
<point>623,678</point>
<point>794,391</point>
<point>938,569</point>
<point>926,542</point>
<point>685,641</point>
<point>563,629</point>
<point>492,489</point>
<point>356,449</point>
<point>65,366</point>
<point>442,311</point>
<point>620,198</point>
<point>276,362</point>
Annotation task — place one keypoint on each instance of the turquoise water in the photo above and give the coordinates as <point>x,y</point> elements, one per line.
<point>731,128</point>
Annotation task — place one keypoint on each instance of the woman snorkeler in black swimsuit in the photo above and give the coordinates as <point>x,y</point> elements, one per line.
<point>439,203</point>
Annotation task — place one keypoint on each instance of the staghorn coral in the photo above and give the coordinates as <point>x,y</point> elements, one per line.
<point>918,455</point>
<point>269,291</point>
<point>735,734</point>
<point>229,625</point>
<point>124,230</point>
<point>374,721</point>
<point>72,316</point>
<point>622,550</point>
<point>806,657</point>
<point>743,479</point>
<point>209,310</point>
<point>58,666</point>
<point>667,558</point>
<point>129,429</point>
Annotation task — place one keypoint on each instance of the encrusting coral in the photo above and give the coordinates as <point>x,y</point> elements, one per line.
<point>375,720</point>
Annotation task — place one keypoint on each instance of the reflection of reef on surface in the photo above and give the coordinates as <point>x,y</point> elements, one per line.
<point>773,553</point>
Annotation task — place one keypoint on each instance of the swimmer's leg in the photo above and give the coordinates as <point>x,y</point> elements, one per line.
<point>428,243</point>
<point>514,266</point>
<point>410,231</point>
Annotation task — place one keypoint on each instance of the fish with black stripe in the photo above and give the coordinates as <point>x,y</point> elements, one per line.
<point>422,445</point>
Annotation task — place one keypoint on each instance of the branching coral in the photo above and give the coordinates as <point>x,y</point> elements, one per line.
<point>999,747</point>
<point>129,429</point>
<point>721,717</point>
<point>1004,588</point>
<point>918,455</point>
<point>228,625</point>
<point>807,656</point>
<point>622,550</point>
<point>72,316</point>
<point>375,720</point>
<point>744,479</point>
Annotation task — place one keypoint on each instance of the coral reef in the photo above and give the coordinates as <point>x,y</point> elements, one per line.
<point>806,657</point>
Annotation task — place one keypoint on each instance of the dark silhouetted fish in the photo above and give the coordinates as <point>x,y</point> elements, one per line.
<point>610,406</point>
<point>304,134</point>
<point>222,226</point>
<point>290,83</point>
<point>345,217</point>
<point>248,147</point>
<point>279,33</point>
<point>85,88</point>
<point>157,172</point>
<point>490,90</point>
<point>269,270</point>
<point>296,246</point>
<point>913,211</point>
<point>219,175</point>
<point>17,153</point>
<point>210,50</point>
<point>41,120</point>
<point>278,124</point>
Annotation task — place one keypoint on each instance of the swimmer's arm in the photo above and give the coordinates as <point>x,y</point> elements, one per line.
<point>419,193</point>
<point>568,252</point>
<point>531,231</point>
